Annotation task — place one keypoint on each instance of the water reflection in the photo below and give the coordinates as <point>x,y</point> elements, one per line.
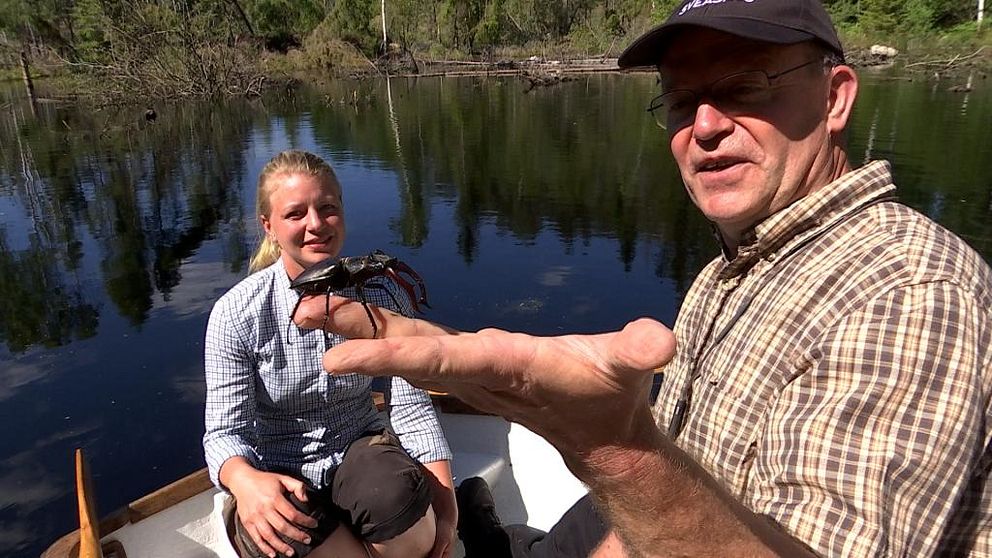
<point>136,198</point>
<point>549,210</point>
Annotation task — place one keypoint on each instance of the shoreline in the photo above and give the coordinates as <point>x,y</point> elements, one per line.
<point>935,65</point>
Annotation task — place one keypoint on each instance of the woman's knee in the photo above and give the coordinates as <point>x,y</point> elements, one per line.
<point>382,490</point>
<point>340,544</point>
<point>417,541</point>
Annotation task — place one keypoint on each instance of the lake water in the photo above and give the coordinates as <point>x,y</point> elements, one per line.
<point>547,211</point>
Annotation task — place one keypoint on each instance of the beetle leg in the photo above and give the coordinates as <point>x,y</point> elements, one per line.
<point>295,308</point>
<point>365,304</point>
<point>385,289</point>
<point>404,268</point>
<point>290,324</point>
<point>406,285</point>
<point>327,314</point>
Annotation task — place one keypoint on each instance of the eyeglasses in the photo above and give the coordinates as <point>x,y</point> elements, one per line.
<point>736,93</point>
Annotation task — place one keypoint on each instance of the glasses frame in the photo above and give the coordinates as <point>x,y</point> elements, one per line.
<point>657,105</point>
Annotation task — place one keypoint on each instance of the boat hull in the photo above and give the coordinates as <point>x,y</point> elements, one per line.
<point>190,518</point>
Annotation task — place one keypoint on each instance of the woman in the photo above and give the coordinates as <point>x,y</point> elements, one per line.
<point>312,466</point>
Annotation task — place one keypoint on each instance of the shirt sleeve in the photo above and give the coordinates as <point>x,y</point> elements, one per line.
<point>870,450</point>
<point>412,417</point>
<point>230,407</point>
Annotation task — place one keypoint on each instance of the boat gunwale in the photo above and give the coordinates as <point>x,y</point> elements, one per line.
<point>148,505</point>
<point>199,481</point>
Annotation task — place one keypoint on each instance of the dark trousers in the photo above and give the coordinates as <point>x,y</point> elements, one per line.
<point>378,492</point>
<point>576,534</point>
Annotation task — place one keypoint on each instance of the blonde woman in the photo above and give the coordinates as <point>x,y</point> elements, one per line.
<point>313,468</point>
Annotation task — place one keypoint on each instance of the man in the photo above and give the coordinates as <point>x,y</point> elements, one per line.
<point>827,384</point>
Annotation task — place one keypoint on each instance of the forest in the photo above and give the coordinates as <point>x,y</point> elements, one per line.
<point>179,48</point>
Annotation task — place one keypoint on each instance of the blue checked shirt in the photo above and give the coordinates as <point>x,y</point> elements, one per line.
<point>270,401</point>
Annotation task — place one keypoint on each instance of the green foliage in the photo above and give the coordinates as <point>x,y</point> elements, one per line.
<point>323,50</point>
<point>900,16</point>
<point>489,31</point>
<point>662,9</point>
<point>355,22</point>
<point>90,24</point>
<point>283,18</point>
<point>202,47</point>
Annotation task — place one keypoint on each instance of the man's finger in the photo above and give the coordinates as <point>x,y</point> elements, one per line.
<point>348,318</point>
<point>642,345</point>
<point>439,360</point>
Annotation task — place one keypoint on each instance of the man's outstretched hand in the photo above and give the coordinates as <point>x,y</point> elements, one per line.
<point>580,392</point>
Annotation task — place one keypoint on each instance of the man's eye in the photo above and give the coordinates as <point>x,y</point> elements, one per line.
<point>744,92</point>
<point>680,104</point>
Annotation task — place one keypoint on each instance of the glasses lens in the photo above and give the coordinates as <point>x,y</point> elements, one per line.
<point>672,106</point>
<point>742,91</point>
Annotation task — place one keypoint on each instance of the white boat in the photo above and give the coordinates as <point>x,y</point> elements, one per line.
<point>190,517</point>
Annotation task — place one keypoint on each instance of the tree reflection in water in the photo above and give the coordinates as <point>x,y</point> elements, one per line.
<point>558,209</point>
<point>143,196</point>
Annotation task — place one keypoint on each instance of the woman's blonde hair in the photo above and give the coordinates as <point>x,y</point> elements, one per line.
<point>292,161</point>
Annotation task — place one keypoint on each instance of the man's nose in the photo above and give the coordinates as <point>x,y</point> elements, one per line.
<point>710,122</point>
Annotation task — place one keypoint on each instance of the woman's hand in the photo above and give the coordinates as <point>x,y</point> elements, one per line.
<point>263,507</point>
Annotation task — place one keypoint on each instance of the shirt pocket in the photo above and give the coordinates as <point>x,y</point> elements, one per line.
<point>292,378</point>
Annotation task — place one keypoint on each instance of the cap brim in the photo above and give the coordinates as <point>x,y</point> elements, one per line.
<point>648,49</point>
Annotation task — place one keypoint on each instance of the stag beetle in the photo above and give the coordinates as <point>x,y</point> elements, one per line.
<point>335,274</point>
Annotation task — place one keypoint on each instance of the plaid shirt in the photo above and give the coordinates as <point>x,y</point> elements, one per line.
<point>270,401</point>
<point>839,375</point>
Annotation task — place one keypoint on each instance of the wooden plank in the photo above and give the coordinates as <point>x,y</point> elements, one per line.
<point>66,547</point>
<point>169,495</point>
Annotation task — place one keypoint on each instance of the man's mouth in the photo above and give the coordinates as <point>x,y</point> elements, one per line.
<point>717,165</point>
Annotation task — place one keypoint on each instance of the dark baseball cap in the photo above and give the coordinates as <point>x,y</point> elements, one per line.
<point>773,21</point>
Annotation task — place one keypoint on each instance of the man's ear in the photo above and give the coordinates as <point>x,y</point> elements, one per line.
<point>843,91</point>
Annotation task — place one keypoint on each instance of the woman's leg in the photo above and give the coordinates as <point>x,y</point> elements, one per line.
<point>340,544</point>
<point>385,497</point>
<point>415,542</point>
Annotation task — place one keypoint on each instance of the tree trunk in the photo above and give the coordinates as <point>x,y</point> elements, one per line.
<point>385,45</point>
<point>26,74</point>
<point>244,17</point>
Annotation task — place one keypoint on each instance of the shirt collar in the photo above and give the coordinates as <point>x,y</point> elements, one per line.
<point>810,215</point>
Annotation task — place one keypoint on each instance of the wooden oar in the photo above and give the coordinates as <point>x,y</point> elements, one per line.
<point>89,535</point>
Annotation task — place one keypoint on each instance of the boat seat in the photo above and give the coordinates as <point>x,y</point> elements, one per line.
<point>485,465</point>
